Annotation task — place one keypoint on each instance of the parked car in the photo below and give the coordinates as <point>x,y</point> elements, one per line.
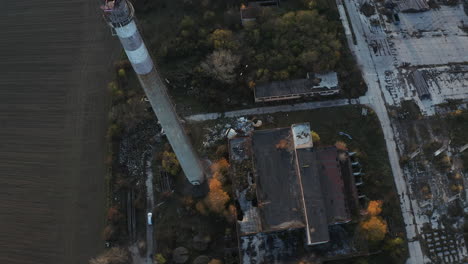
<point>150,220</point>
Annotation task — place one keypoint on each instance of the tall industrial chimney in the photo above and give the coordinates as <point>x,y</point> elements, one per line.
<point>120,15</point>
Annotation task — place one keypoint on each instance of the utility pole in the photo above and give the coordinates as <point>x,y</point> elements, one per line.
<point>120,16</point>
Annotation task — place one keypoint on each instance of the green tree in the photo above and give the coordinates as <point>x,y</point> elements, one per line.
<point>208,16</point>
<point>308,59</point>
<point>122,74</point>
<point>395,247</point>
<point>160,259</point>
<point>315,137</point>
<point>187,23</point>
<point>170,163</point>
<point>294,42</point>
<point>223,39</point>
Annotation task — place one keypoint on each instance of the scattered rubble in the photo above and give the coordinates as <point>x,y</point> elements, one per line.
<point>228,128</point>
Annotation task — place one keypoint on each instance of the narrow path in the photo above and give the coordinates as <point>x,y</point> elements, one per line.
<point>150,204</point>
<point>150,243</point>
<point>272,109</point>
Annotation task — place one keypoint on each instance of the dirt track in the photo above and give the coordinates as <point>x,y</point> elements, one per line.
<point>55,59</point>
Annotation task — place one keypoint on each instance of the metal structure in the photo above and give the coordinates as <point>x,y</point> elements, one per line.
<point>120,15</point>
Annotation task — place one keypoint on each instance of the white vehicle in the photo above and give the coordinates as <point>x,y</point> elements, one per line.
<point>150,220</point>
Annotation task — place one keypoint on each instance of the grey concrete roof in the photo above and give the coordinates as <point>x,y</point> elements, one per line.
<point>332,185</point>
<point>296,188</point>
<point>420,83</point>
<point>276,179</point>
<point>316,213</point>
<point>316,83</point>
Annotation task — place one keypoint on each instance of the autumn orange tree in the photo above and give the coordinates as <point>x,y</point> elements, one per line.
<point>374,208</point>
<point>341,145</point>
<point>219,170</point>
<point>374,227</point>
<point>220,165</point>
<point>217,198</point>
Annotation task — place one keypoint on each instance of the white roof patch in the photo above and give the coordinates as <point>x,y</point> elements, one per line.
<point>302,137</point>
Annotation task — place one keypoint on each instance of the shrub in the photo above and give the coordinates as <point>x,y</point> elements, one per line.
<point>315,137</point>
<point>341,145</point>
<point>159,258</point>
<point>122,74</point>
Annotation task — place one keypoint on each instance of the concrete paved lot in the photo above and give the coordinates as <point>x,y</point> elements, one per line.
<point>55,59</point>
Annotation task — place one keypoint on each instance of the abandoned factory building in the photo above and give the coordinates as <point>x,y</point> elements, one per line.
<point>282,182</point>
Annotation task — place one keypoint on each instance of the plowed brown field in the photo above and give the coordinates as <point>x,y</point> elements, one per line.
<point>55,61</point>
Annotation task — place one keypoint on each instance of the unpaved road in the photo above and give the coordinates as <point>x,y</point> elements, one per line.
<point>55,61</point>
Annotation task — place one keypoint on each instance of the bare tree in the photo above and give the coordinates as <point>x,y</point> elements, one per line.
<point>221,64</point>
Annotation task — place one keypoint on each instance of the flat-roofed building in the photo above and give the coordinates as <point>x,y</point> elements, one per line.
<point>314,85</point>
